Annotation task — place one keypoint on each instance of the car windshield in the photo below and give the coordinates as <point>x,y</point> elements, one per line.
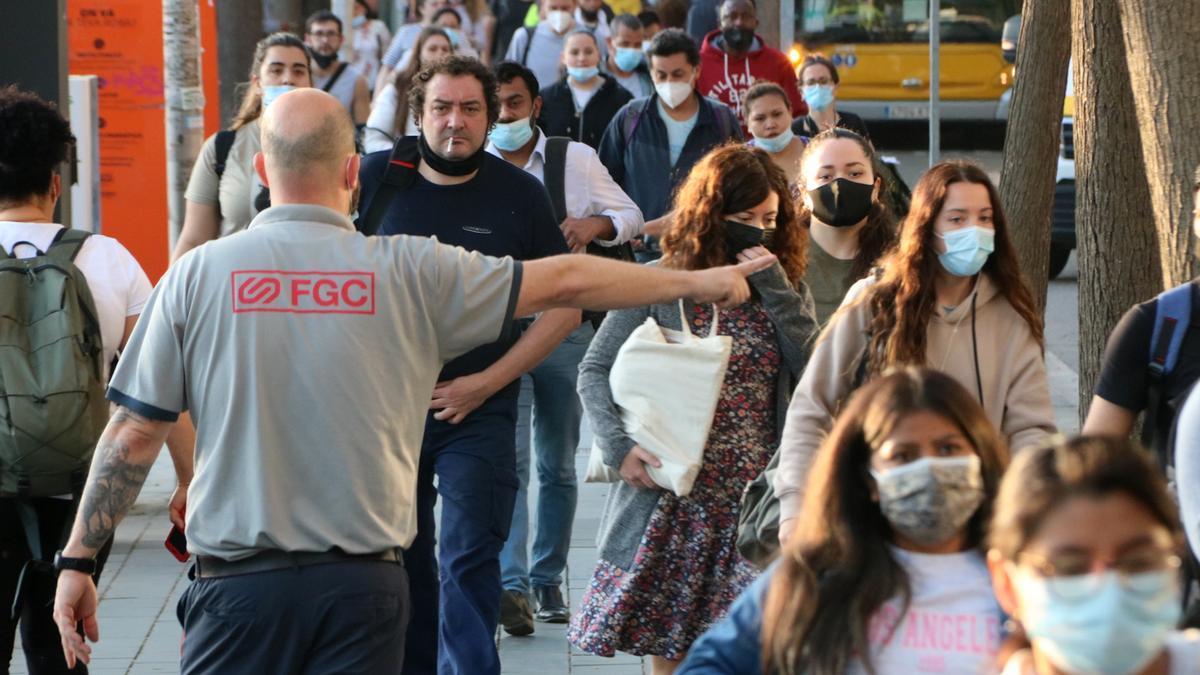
<point>891,21</point>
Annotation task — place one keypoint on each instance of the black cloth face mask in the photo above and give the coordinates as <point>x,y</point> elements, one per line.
<point>449,167</point>
<point>738,39</point>
<point>323,60</point>
<point>842,203</point>
<point>740,236</point>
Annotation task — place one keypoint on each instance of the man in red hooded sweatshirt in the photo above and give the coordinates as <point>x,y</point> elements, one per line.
<point>734,57</point>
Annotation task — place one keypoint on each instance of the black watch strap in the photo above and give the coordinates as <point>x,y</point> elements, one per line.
<point>85,565</point>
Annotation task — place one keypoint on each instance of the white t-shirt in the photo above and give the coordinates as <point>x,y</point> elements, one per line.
<point>1182,647</point>
<point>582,96</point>
<point>119,286</point>
<point>952,624</point>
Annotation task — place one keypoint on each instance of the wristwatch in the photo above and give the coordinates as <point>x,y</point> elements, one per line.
<point>85,565</point>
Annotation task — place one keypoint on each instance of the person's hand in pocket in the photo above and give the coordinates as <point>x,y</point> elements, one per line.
<point>633,468</point>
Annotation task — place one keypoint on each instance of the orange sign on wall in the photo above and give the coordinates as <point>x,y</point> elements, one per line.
<point>122,43</point>
<point>208,67</point>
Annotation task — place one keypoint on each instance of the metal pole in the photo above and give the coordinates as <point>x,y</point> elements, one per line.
<point>935,76</point>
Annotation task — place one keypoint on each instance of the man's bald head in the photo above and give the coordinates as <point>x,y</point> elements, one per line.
<point>307,140</point>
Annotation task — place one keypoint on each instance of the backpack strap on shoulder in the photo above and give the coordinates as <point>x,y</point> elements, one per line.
<point>528,44</point>
<point>629,124</point>
<point>67,243</point>
<point>399,175</point>
<point>223,143</point>
<point>555,175</point>
<point>1172,314</point>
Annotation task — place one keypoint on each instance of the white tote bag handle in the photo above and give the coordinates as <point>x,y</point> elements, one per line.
<point>688,336</point>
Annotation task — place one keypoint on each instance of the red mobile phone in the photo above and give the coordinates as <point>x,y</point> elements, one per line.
<point>176,543</point>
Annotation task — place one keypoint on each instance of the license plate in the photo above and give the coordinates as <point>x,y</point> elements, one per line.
<point>907,112</point>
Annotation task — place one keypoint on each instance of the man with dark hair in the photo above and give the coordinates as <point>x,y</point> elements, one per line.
<point>650,23</point>
<point>626,56</point>
<point>306,353</point>
<point>35,515</point>
<point>652,143</point>
<point>467,197</point>
<point>735,57</point>
<point>597,217</point>
<point>324,37</point>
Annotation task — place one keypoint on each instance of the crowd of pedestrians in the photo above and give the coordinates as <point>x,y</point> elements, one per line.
<point>402,281</point>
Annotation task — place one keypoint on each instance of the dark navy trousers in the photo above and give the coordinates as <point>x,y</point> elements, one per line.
<point>340,617</point>
<point>455,577</point>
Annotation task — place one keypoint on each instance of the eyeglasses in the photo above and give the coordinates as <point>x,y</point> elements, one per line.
<point>1070,577</point>
<point>325,34</point>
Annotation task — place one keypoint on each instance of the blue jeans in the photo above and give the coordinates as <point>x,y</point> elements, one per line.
<point>550,402</point>
<point>456,593</point>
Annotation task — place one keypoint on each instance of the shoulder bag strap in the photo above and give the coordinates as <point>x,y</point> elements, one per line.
<point>555,175</point>
<point>399,175</point>
<point>333,80</point>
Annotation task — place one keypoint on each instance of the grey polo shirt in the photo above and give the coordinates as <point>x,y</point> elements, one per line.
<point>307,354</point>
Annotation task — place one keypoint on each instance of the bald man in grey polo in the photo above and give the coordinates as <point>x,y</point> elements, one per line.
<point>291,344</point>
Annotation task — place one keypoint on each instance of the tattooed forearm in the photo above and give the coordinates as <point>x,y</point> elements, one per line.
<point>124,455</point>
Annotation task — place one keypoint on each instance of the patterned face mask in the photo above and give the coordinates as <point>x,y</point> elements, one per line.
<point>931,499</point>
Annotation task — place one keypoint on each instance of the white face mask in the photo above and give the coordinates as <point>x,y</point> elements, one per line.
<point>673,93</point>
<point>560,21</point>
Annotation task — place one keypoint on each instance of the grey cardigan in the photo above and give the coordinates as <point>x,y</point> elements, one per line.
<point>628,509</point>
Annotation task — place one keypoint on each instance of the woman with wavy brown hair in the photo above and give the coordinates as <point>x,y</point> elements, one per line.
<point>390,117</point>
<point>669,565</point>
<point>890,550</point>
<point>949,297</point>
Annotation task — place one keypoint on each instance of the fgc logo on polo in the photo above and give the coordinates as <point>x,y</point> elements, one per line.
<point>303,292</point>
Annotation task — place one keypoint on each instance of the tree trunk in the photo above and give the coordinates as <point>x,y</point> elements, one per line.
<point>1031,144</point>
<point>1161,38</point>
<point>185,102</point>
<point>1118,249</point>
<point>239,25</point>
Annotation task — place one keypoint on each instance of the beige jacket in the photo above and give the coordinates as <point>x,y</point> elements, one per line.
<point>1012,368</point>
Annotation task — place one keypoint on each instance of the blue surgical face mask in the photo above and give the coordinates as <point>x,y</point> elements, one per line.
<point>818,96</point>
<point>582,74</point>
<point>1098,623</point>
<point>454,35</point>
<point>272,92</point>
<point>628,58</point>
<point>359,21</point>
<point>511,136</point>
<point>776,143</point>
<point>967,250</point>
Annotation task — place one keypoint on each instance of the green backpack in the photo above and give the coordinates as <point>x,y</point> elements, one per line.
<point>52,407</point>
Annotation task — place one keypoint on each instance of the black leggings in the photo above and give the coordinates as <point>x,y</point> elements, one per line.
<point>39,633</point>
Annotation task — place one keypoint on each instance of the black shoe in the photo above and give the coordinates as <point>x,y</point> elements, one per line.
<point>515,615</point>
<point>551,608</point>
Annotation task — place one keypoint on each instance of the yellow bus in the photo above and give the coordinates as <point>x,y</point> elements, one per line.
<point>881,48</point>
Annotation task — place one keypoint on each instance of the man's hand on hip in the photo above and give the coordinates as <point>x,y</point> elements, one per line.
<point>457,398</point>
<point>75,601</point>
<point>726,286</point>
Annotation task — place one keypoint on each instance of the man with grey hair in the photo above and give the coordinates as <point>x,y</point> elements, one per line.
<point>291,344</point>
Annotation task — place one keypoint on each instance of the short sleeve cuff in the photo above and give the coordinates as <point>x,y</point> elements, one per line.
<point>144,409</point>
<point>514,293</point>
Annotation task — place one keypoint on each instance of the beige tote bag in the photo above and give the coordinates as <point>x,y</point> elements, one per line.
<point>666,385</point>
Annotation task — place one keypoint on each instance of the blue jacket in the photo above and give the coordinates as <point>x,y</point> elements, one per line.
<point>734,645</point>
<point>641,165</point>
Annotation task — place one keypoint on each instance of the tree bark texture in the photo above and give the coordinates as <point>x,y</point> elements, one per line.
<point>1032,140</point>
<point>1117,245</point>
<point>185,102</point>
<point>1162,46</point>
<point>239,28</point>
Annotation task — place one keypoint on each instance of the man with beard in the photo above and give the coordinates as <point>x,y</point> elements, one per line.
<point>323,35</point>
<point>467,197</point>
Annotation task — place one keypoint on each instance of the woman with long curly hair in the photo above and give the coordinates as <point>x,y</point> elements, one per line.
<point>669,566</point>
<point>949,297</point>
<point>850,227</point>
<point>390,117</point>
<point>889,551</point>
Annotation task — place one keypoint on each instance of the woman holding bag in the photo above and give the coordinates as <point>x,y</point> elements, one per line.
<point>668,565</point>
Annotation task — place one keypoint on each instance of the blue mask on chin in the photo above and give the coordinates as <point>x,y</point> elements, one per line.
<point>967,250</point>
<point>272,92</point>
<point>583,74</point>
<point>511,136</point>
<point>775,143</point>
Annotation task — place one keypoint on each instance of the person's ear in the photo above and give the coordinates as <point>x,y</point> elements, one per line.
<point>878,188</point>
<point>1002,583</point>
<point>55,188</point>
<point>260,167</point>
<point>353,164</point>
<point>537,109</point>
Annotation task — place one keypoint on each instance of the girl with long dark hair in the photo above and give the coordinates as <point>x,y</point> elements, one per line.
<point>668,565</point>
<point>886,572</point>
<point>390,117</point>
<point>950,297</point>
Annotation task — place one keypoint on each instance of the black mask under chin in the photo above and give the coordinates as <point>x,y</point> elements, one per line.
<point>449,167</point>
<point>590,17</point>
<point>323,61</point>
<point>738,39</point>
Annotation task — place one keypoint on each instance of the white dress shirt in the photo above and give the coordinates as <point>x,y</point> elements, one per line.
<point>590,189</point>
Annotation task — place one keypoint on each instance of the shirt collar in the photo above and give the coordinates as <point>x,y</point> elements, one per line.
<point>304,213</point>
<point>539,149</point>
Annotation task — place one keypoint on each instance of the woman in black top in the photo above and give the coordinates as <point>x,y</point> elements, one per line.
<point>582,103</point>
<point>819,83</point>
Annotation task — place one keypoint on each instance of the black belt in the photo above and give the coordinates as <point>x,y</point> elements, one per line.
<point>208,566</point>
